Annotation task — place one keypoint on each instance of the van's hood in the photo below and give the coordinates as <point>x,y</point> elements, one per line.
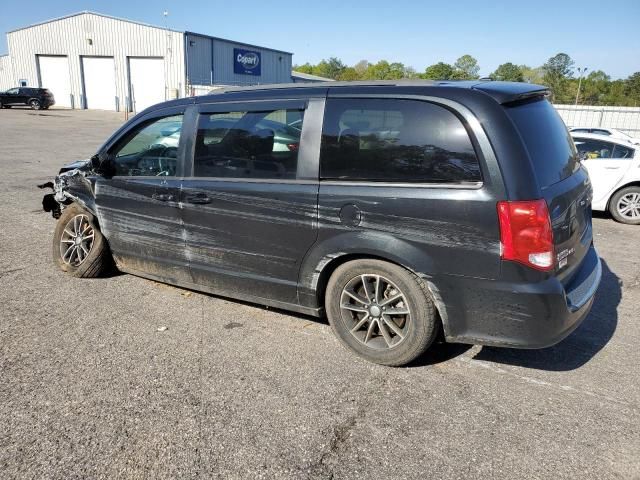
<point>77,165</point>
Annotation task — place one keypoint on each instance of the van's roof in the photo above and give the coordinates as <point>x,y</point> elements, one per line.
<point>501,92</point>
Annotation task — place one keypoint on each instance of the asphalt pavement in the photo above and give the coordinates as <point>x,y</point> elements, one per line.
<point>123,377</point>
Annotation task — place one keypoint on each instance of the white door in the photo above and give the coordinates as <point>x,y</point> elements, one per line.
<point>99,75</point>
<point>147,82</point>
<point>54,75</point>
<point>607,164</point>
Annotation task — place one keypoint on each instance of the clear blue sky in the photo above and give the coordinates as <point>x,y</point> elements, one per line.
<point>597,34</point>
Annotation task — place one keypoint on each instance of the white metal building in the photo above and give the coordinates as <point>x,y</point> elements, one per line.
<point>90,60</point>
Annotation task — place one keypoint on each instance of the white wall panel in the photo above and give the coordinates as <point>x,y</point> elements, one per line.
<point>7,79</point>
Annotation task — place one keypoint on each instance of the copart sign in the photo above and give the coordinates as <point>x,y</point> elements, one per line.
<point>246,62</point>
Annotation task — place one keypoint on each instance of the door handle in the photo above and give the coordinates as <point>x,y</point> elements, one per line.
<point>612,168</point>
<point>162,197</point>
<point>199,199</point>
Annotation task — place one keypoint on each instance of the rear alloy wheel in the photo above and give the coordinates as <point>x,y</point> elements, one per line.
<point>35,104</point>
<point>625,205</point>
<point>78,245</point>
<point>381,311</point>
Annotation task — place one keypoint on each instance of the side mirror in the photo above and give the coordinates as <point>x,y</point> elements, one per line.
<point>101,163</point>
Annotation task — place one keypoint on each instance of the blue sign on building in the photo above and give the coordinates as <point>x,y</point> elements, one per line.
<point>246,62</point>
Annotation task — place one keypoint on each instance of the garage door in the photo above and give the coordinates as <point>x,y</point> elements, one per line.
<point>54,75</point>
<point>99,77</point>
<point>147,82</point>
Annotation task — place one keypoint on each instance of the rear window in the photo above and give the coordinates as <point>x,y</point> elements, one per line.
<point>547,139</point>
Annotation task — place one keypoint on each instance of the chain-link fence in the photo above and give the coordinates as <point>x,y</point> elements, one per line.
<point>626,119</point>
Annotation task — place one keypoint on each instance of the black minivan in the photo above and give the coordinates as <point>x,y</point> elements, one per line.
<point>395,208</point>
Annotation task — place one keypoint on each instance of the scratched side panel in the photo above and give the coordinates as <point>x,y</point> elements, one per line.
<point>251,237</point>
<point>451,227</point>
<point>144,234</point>
<point>433,231</point>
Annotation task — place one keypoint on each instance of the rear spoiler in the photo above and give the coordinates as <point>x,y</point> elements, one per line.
<point>510,92</point>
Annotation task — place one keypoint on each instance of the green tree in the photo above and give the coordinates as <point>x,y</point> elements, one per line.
<point>305,68</point>
<point>532,75</point>
<point>557,72</point>
<point>438,71</point>
<point>331,68</point>
<point>632,88</point>
<point>361,68</point>
<point>466,68</point>
<point>384,70</point>
<point>615,94</point>
<point>595,87</point>
<point>508,72</point>
<point>349,74</point>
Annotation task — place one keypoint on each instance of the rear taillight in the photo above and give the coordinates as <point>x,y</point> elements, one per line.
<point>293,147</point>
<point>525,233</point>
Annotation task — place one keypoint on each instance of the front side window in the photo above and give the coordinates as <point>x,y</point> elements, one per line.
<point>389,140</point>
<point>151,149</point>
<point>13,91</point>
<point>262,144</point>
<point>589,148</point>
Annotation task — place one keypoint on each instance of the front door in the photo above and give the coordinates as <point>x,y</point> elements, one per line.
<point>249,209</point>
<point>138,200</point>
<point>606,162</point>
<point>13,97</point>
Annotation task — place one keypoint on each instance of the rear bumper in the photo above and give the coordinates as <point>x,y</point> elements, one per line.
<point>518,315</point>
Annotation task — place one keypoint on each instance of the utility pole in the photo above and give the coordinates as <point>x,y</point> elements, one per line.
<point>165,14</point>
<point>581,72</point>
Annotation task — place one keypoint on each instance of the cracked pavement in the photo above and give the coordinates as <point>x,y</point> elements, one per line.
<point>90,388</point>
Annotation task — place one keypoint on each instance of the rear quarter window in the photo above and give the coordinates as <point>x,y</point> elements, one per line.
<point>550,146</point>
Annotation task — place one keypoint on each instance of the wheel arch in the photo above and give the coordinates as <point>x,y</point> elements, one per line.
<point>324,259</point>
<point>634,183</point>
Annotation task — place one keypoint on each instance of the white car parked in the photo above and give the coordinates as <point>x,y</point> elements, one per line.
<point>609,132</point>
<point>614,168</point>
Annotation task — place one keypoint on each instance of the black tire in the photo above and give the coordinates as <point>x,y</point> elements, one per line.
<point>35,104</point>
<point>616,201</point>
<point>98,259</point>
<point>420,327</point>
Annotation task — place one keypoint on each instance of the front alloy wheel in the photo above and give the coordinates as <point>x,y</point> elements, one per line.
<point>78,246</point>
<point>76,241</point>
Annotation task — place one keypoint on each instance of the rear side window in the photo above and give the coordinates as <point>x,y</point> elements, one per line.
<point>261,144</point>
<point>548,142</point>
<point>389,140</point>
<point>589,148</point>
<point>622,152</point>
